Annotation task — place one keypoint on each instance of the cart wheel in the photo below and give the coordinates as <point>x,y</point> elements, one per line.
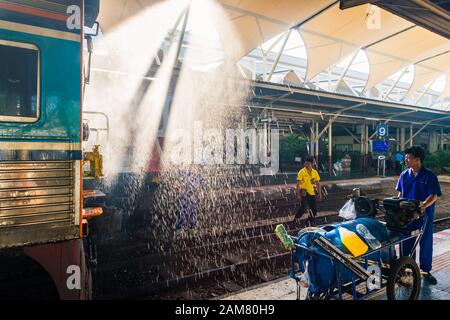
<point>404,280</point>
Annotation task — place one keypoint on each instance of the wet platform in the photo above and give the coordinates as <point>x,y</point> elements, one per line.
<point>285,288</point>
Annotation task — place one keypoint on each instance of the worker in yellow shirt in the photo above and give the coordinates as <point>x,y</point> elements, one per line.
<point>308,186</point>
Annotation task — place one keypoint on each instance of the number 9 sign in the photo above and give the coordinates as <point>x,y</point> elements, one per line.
<point>382,130</point>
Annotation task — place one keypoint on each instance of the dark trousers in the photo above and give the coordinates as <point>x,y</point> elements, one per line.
<point>310,202</point>
<point>426,243</point>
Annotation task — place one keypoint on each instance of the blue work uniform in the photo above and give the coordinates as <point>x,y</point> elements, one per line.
<point>420,187</point>
<point>190,199</point>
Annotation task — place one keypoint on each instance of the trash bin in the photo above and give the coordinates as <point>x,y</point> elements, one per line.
<point>381,170</point>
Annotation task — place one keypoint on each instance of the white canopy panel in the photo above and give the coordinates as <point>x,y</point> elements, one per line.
<point>254,22</point>
<point>428,70</point>
<point>337,33</point>
<point>289,77</point>
<point>330,34</point>
<point>391,55</point>
<point>422,76</point>
<point>446,92</point>
<point>258,21</point>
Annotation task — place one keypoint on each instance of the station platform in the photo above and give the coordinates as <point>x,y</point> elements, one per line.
<point>285,288</point>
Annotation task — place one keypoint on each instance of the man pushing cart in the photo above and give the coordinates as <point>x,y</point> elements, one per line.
<point>363,255</point>
<point>360,256</point>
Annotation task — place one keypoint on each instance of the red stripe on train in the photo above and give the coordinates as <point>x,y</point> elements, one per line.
<point>33,11</point>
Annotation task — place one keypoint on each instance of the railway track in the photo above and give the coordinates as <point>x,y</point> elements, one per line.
<point>200,271</point>
<point>441,224</point>
<point>213,269</point>
<point>147,267</point>
<point>255,218</point>
<point>199,259</point>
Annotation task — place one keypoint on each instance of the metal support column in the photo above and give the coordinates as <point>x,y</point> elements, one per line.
<point>265,138</point>
<point>166,109</point>
<point>363,144</point>
<point>317,144</point>
<point>242,141</point>
<point>398,139</point>
<point>402,139</point>
<point>432,142</point>
<point>441,140</point>
<point>366,154</point>
<point>330,147</point>
<point>254,142</point>
<point>394,85</point>
<point>277,59</point>
<point>344,72</point>
<point>264,61</point>
<point>425,91</point>
<point>311,140</point>
<point>254,68</point>
<point>269,137</point>
<point>411,136</point>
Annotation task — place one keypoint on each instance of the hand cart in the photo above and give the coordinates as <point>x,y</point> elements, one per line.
<point>370,272</point>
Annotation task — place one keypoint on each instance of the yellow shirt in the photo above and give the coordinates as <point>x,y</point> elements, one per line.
<point>308,180</point>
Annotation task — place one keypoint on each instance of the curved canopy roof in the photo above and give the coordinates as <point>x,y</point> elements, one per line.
<point>336,34</point>
<point>330,34</point>
<point>428,70</point>
<point>391,55</point>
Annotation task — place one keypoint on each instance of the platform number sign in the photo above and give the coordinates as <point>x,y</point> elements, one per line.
<point>382,130</point>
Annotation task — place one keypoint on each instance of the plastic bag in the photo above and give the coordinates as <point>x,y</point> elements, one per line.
<point>303,284</point>
<point>348,211</point>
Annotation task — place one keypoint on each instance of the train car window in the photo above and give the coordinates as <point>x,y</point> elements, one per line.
<point>19,82</point>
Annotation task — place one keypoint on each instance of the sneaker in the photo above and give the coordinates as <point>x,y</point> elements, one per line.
<point>429,278</point>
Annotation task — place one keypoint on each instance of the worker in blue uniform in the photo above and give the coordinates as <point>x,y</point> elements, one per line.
<point>191,190</point>
<point>420,183</point>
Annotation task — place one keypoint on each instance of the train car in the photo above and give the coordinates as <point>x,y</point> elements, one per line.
<point>41,91</point>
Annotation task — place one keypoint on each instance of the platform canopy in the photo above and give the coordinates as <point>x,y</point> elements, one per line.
<point>288,103</point>
<point>331,33</point>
